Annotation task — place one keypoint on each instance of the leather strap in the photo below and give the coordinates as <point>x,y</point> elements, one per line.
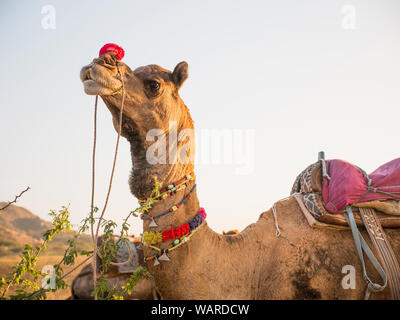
<point>361,246</point>
<point>384,249</point>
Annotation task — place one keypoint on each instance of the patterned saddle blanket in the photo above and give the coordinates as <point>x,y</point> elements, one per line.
<point>325,204</point>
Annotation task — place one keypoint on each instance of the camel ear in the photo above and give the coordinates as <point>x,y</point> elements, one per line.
<point>180,73</point>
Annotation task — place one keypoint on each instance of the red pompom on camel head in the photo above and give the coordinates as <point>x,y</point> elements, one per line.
<point>112,48</point>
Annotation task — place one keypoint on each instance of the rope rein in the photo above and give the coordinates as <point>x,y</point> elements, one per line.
<point>94,266</point>
<point>94,236</point>
<point>115,153</point>
<point>94,163</point>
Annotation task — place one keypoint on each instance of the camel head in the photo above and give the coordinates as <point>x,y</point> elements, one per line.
<point>151,101</point>
<point>151,92</point>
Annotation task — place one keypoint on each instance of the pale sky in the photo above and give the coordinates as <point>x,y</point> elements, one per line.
<point>293,71</point>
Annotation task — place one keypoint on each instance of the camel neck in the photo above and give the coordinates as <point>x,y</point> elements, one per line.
<point>160,154</point>
<point>184,213</point>
<point>181,216</point>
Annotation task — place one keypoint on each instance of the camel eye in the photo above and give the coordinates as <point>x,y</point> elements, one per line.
<point>153,85</point>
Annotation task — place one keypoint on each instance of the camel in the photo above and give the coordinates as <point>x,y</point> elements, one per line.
<point>301,263</point>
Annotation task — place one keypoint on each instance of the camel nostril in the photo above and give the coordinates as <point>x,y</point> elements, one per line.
<point>87,75</point>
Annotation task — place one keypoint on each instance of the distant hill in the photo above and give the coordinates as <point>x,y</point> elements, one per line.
<point>19,226</point>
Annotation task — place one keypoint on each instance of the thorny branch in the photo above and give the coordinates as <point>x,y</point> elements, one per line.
<point>15,200</point>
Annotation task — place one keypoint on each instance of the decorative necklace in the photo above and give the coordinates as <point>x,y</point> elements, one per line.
<point>172,188</point>
<point>146,216</point>
<point>180,235</point>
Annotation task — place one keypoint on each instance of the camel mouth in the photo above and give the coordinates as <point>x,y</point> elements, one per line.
<point>93,87</point>
<point>98,80</point>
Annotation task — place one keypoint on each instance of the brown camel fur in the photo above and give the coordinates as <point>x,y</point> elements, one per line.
<point>302,263</point>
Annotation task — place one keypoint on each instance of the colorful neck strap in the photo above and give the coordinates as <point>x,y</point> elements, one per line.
<point>173,233</point>
<point>172,188</point>
<point>146,216</point>
<point>180,235</point>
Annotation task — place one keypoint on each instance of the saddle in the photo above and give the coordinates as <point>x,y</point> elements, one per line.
<point>334,194</point>
<point>127,261</point>
<point>128,257</point>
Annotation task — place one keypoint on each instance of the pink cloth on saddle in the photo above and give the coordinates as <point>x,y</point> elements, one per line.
<point>348,184</point>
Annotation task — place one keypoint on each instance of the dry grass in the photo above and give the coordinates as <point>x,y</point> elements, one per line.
<point>7,262</point>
